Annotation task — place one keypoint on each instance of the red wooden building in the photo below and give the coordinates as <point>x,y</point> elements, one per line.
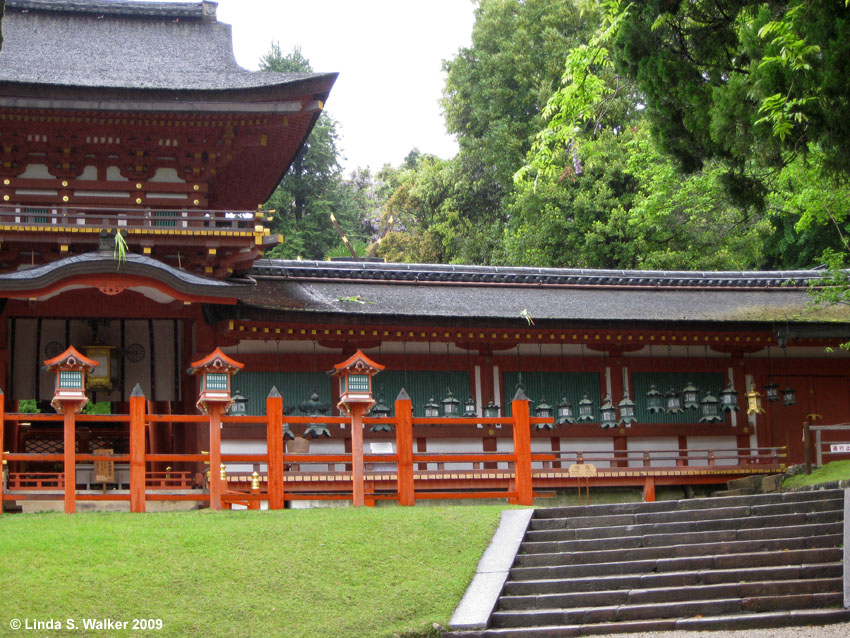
<point>133,159</point>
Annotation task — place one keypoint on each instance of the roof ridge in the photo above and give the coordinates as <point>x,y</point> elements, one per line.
<point>472,274</point>
<point>197,9</point>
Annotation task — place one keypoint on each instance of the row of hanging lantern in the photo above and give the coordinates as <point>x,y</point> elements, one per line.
<point>672,402</point>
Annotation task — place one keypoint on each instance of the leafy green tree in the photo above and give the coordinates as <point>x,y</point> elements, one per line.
<point>314,187</point>
<point>752,84</point>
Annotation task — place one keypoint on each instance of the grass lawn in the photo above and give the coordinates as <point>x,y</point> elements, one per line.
<point>330,573</point>
<point>835,471</point>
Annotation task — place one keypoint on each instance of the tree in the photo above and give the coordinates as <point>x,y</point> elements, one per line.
<point>752,84</point>
<point>313,187</point>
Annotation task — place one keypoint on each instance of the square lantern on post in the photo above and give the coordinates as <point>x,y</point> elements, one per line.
<point>71,369</point>
<point>215,371</point>
<point>355,376</point>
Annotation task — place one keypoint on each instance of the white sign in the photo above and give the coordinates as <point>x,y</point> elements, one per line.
<point>382,447</point>
<point>838,448</point>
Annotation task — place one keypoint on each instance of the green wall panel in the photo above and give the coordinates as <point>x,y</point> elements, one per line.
<point>663,382</point>
<point>295,387</point>
<point>420,386</point>
<point>552,386</point>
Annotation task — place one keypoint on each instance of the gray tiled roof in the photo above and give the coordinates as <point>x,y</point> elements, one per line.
<point>123,45</point>
<point>412,292</point>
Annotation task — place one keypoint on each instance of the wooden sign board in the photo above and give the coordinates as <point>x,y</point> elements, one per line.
<point>104,471</point>
<point>582,470</point>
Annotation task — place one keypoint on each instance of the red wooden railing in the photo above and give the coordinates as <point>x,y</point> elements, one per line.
<point>416,475</point>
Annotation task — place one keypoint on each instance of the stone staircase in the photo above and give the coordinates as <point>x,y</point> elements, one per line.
<point>735,562</point>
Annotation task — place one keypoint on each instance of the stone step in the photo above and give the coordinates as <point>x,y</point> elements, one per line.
<point>747,482</point>
<point>692,537</point>
<point>676,593</point>
<point>671,609</point>
<point>696,503</point>
<point>738,491</point>
<point>793,618</point>
<point>670,551</point>
<point>672,579</point>
<point>684,527</point>
<point>689,515</point>
<point>675,564</point>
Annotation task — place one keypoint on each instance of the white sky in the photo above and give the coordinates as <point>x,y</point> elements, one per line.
<point>389,57</point>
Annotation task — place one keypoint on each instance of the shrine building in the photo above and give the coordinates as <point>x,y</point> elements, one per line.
<point>135,158</point>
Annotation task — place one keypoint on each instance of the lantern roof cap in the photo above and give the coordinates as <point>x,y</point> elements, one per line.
<point>216,359</point>
<point>71,357</point>
<point>360,361</point>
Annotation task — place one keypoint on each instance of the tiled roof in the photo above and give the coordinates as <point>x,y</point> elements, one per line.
<point>505,275</point>
<point>509,296</point>
<point>123,45</point>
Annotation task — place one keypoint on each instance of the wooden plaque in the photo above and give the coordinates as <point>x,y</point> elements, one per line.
<point>582,470</point>
<point>104,471</point>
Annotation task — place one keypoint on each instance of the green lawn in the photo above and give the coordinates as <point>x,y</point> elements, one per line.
<point>330,573</point>
<point>835,471</point>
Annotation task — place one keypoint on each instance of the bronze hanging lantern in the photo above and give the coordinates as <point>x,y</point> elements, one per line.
<point>451,406</point>
<point>469,408</point>
<point>710,409</point>
<point>492,411</point>
<point>771,389</point>
<point>543,410</point>
<point>673,402</point>
<point>627,411</point>
<point>789,395</point>
<point>672,398</point>
<point>654,401</point>
<point>314,407</point>
<point>771,392</point>
<point>432,408</point>
<point>690,396</point>
<point>565,412</point>
<point>239,405</point>
<point>729,398</point>
<point>380,411</point>
<point>607,413</point>
<point>585,410</point>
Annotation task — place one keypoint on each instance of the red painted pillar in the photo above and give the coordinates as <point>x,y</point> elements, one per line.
<point>137,450</point>
<point>274,447</point>
<point>649,489</point>
<point>404,448</point>
<point>357,472</point>
<point>216,487</point>
<point>70,454</point>
<point>2,444</point>
<point>522,449</point>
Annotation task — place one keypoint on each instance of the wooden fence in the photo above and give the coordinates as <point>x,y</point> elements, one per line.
<point>512,475</point>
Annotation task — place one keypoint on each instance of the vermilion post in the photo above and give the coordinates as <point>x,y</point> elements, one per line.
<point>522,449</point>
<point>216,487</point>
<point>70,453</point>
<point>404,448</point>
<point>2,420</point>
<point>357,473</point>
<point>649,489</point>
<point>137,450</point>
<point>274,448</point>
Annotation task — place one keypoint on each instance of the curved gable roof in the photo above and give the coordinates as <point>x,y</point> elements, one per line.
<point>174,46</point>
